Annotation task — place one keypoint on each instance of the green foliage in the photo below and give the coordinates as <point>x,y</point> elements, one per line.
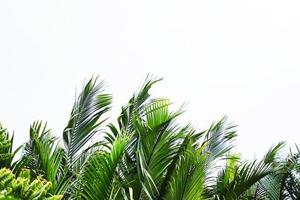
<point>43,155</point>
<point>91,104</point>
<point>6,144</point>
<point>100,177</point>
<point>284,182</point>
<point>22,188</point>
<point>147,154</point>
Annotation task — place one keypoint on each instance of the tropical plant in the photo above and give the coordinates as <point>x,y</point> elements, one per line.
<point>61,165</point>
<point>43,156</point>
<point>146,154</point>
<point>284,182</point>
<point>6,145</point>
<point>244,180</point>
<point>22,188</point>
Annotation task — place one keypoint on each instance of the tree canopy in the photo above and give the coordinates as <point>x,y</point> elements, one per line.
<point>145,154</point>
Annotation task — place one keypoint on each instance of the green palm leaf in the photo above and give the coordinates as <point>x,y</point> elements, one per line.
<point>241,180</point>
<point>188,179</point>
<point>136,105</point>
<point>99,177</point>
<point>91,104</point>
<point>43,155</point>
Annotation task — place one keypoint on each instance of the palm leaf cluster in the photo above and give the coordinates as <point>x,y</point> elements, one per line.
<point>145,154</point>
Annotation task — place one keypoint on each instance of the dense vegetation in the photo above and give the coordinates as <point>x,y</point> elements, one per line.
<point>146,154</point>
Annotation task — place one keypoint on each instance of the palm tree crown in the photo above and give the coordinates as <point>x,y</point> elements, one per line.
<point>146,154</point>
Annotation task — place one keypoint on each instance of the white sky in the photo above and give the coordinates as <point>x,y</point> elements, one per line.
<point>235,58</point>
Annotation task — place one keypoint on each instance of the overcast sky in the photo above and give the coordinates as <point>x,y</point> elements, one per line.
<point>235,58</point>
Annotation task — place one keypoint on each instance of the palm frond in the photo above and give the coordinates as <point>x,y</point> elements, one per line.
<point>43,155</point>
<point>272,154</point>
<point>291,176</point>
<point>244,179</point>
<point>136,104</point>
<point>219,138</point>
<point>282,183</point>
<point>84,122</point>
<point>245,176</point>
<point>99,175</point>
<point>158,139</point>
<point>218,141</point>
<point>187,181</point>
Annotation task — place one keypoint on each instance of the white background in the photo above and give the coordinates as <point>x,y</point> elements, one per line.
<point>235,58</point>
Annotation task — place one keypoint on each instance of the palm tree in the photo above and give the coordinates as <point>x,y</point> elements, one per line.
<point>147,154</point>
<point>244,179</point>
<point>284,182</point>
<point>61,165</point>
